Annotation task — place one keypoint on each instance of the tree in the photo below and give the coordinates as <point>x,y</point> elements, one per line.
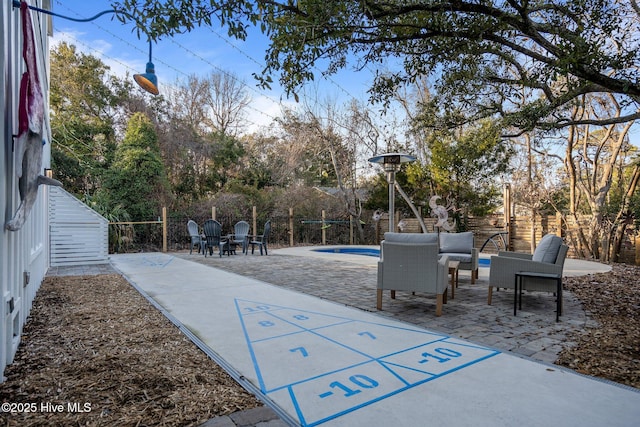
<point>199,140</point>
<point>535,181</point>
<point>83,106</point>
<point>137,179</point>
<point>223,164</point>
<point>591,160</point>
<point>227,101</point>
<point>466,166</point>
<point>479,51</point>
<point>320,146</point>
<point>629,206</point>
<point>462,164</point>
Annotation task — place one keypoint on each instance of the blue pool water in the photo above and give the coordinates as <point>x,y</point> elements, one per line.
<point>352,251</point>
<point>482,262</point>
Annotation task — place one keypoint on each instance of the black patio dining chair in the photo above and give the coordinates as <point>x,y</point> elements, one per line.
<point>194,235</point>
<point>213,237</point>
<point>240,235</point>
<point>260,240</point>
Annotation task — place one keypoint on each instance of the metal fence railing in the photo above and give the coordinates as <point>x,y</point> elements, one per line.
<point>170,233</point>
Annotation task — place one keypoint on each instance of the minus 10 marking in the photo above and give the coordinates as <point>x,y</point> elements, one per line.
<point>362,381</point>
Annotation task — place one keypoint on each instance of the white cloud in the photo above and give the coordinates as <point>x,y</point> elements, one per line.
<point>100,48</point>
<point>262,112</point>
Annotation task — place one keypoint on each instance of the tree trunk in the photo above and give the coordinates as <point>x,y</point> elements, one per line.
<point>622,218</point>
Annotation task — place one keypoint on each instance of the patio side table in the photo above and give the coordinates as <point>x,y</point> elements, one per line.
<point>517,297</point>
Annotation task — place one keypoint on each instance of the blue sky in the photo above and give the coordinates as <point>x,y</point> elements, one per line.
<point>200,52</point>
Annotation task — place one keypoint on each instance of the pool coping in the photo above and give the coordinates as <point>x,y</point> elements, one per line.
<point>572,267</point>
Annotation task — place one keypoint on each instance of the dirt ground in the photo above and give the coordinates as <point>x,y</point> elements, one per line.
<point>95,340</point>
<point>97,347</point>
<point>612,350</point>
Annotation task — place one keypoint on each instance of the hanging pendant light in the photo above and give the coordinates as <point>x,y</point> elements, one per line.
<point>147,81</point>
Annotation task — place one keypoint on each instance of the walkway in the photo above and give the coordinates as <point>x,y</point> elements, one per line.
<point>318,362</point>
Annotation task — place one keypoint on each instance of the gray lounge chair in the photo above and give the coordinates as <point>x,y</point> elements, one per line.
<point>461,247</point>
<point>548,258</point>
<point>411,262</point>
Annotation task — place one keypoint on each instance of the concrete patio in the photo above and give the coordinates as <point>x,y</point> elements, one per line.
<point>299,349</point>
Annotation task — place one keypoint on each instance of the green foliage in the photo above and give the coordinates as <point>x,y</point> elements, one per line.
<point>137,179</point>
<point>239,198</point>
<point>378,197</point>
<point>184,184</point>
<point>463,168</point>
<point>257,174</point>
<point>120,235</point>
<point>483,53</point>
<point>226,152</point>
<point>466,167</point>
<point>83,103</point>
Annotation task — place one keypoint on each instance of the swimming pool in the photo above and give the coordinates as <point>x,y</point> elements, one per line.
<point>482,262</point>
<point>352,251</point>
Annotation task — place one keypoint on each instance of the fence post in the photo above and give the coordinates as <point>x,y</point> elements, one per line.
<point>164,229</point>
<point>324,230</point>
<point>213,212</point>
<point>351,229</point>
<point>291,227</point>
<point>506,201</point>
<point>254,215</point>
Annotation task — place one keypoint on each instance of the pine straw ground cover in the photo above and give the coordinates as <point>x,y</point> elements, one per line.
<point>94,339</point>
<point>612,350</point>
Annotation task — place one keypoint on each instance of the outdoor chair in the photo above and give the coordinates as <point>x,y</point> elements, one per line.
<point>260,240</point>
<point>213,237</point>
<point>461,247</point>
<point>194,235</point>
<point>411,262</point>
<point>241,235</point>
<point>547,259</point>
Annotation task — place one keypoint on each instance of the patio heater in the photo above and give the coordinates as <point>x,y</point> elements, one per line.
<point>391,163</point>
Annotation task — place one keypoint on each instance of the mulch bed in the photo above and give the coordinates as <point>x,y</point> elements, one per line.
<point>611,350</point>
<point>95,340</point>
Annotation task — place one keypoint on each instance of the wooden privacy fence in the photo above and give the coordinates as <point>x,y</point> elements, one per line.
<point>522,232</point>
<point>169,232</point>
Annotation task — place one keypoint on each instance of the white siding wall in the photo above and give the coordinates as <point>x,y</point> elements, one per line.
<point>79,235</point>
<point>23,253</point>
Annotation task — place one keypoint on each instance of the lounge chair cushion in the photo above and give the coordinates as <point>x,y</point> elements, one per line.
<point>547,250</point>
<point>456,243</point>
<point>461,257</point>
<point>411,237</point>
